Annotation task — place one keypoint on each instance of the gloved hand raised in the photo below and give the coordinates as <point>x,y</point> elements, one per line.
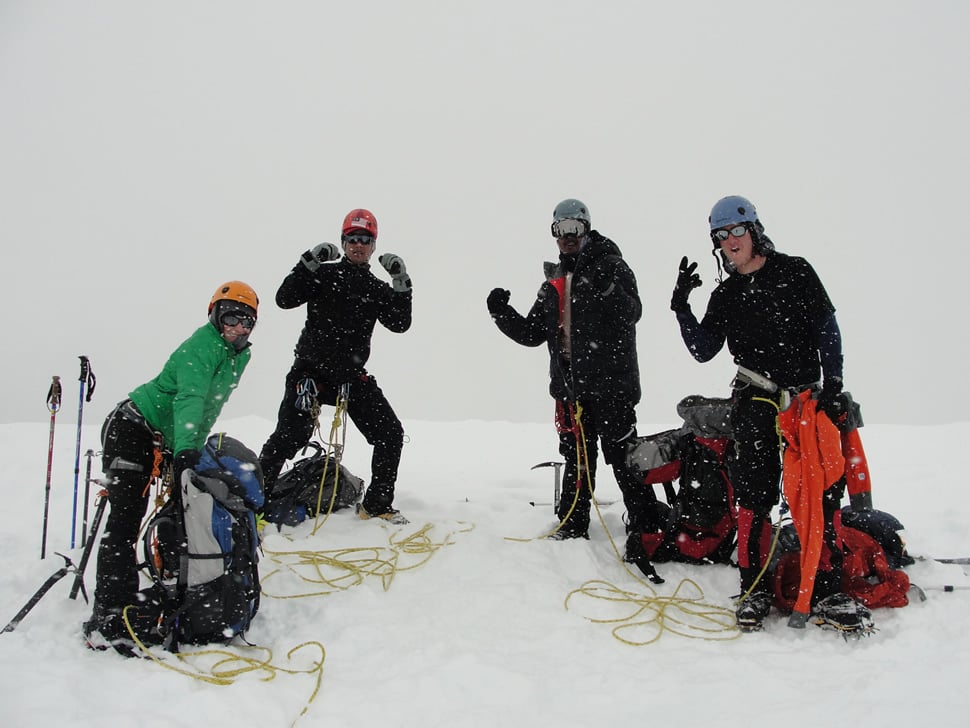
<point>322,253</point>
<point>185,460</point>
<point>687,280</point>
<point>393,264</point>
<point>498,300</point>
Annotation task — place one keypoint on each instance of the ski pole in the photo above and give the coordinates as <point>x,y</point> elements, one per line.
<point>86,378</point>
<point>87,497</point>
<point>53,404</point>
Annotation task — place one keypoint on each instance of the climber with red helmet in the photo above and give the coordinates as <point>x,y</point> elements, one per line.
<point>171,414</point>
<point>344,301</point>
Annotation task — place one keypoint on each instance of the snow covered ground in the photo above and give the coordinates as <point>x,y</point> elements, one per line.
<point>477,633</point>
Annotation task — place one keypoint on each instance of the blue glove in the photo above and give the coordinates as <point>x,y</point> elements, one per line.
<point>393,264</point>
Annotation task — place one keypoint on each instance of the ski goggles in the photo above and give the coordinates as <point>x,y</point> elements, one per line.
<point>719,236</point>
<point>360,239</point>
<point>236,318</point>
<point>568,228</point>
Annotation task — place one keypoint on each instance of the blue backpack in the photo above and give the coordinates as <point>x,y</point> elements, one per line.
<point>201,552</point>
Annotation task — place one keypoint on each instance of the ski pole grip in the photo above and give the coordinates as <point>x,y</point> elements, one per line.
<point>87,374</point>
<point>54,395</point>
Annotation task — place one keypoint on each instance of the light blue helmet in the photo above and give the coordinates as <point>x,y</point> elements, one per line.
<point>732,210</point>
<point>737,210</point>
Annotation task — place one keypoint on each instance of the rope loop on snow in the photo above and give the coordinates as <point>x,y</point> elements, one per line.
<point>222,666</point>
<point>334,570</point>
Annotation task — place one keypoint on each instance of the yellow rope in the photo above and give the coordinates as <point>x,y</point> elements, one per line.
<point>336,570</point>
<point>582,459</point>
<point>337,448</point>
<point>774,540</point>
<point>232,664</point>
<point>685,616</point>
<point>699,620</point>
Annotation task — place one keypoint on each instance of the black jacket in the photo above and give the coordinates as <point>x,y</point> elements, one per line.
<point>344,301</point>
<point>774,320</point>
<point>605,307</point>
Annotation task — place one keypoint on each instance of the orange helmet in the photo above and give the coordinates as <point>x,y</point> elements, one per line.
<point>237,292</point>
<point>360,219</point>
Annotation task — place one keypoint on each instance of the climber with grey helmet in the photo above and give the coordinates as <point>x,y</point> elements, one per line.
<point>586,313</point>
<point>780,327</point>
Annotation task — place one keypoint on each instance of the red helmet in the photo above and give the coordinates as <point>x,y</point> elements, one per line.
<point>360,219</point>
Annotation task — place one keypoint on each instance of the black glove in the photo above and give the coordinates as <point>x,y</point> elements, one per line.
<point>498,300</point>
<point>185,460</point>
<point>830,399</point>
<point>687,280</point>
<point>603,281</point>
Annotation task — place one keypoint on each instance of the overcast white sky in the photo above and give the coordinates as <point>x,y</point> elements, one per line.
<point>148,152</point>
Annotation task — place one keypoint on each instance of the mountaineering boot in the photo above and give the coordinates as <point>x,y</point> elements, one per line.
<point>751,613</point>
<point>843,614</point>
<point>637,555</point>
<point>390,515</point>
<point>376,503</point>
<point>573,517</point>
<point>106,630</point>
<point>566,533</point>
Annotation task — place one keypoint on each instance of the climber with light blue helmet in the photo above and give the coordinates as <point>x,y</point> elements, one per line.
<point>780,327</point>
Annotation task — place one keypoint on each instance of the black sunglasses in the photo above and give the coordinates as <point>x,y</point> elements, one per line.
<point>737,231</point>
<point>359,239</point>
<point>235,319</point>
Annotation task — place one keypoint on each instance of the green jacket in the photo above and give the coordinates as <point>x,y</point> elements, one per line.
<point>184,401</point>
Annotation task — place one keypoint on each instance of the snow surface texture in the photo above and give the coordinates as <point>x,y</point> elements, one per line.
<point>478,634</point>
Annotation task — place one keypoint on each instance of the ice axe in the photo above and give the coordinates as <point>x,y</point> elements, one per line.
<point>557,482</point>
<point>557,486</point>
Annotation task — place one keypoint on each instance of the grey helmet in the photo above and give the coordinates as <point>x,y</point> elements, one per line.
<point>570,209</point>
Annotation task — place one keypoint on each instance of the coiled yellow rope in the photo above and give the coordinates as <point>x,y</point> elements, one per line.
<point>335,570</point>
<point>685,616</point>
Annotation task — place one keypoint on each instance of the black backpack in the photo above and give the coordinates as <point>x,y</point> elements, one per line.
<point>201,552</point>
<point>698,523</point>
<point>318,478</point>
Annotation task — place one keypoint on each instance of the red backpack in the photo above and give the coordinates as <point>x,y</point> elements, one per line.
<point>867,574</point>
<point>698,524</point>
